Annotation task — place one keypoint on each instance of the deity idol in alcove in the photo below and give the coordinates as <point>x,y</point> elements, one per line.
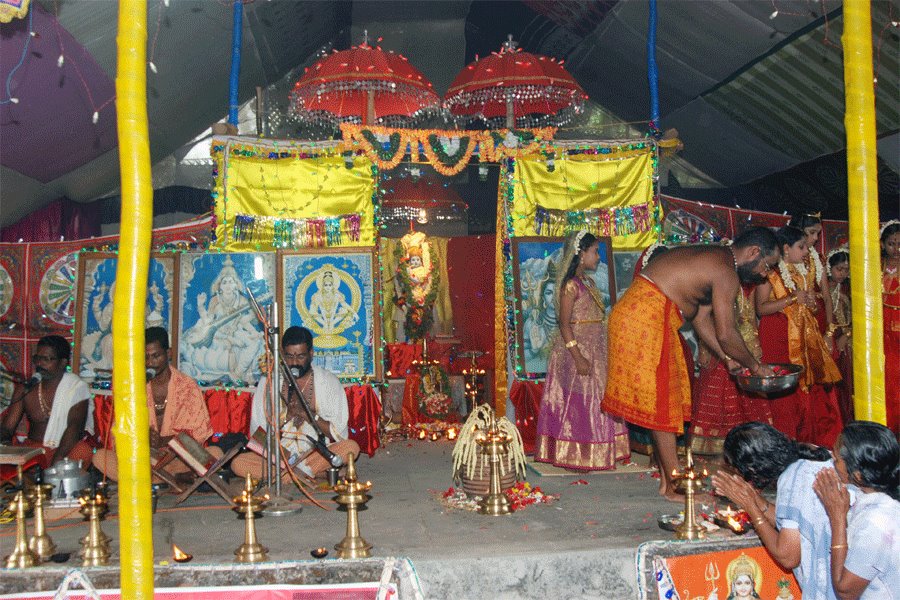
<point>416,284</point>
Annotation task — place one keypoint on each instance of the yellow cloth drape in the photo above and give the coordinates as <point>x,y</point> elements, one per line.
<point>862,187</point>
<point>584,182</point>
<point>132,424</point>
<point>290,188</point>
<point>443,310</point>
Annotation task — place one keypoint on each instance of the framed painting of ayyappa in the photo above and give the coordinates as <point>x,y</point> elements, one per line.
<point>94,309</point>
<point>333,293</point>
<point>536,267</point>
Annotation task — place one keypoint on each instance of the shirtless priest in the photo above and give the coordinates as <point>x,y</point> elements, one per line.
<point>648,383</point>
<point>56,403</point>
<point>176,405</point>
<point>323,391</point>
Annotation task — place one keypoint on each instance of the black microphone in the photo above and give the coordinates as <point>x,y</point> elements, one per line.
<point>35,379</point>
<point>335,460</point>
<point>151,373</point>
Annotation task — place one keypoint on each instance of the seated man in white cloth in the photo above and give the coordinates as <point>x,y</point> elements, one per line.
<point>56,403</point>
<point>325,395</point>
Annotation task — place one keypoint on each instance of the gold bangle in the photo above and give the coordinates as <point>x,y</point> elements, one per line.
<point>791,299</point>
<point>836,546</point>
<point>758,521</point>
<point>572,344</point>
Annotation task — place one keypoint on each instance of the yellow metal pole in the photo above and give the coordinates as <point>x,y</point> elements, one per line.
<point>865,256</point>
<point>132,424</point>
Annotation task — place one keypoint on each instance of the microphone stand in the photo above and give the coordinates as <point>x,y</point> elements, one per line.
<point>279,504</point>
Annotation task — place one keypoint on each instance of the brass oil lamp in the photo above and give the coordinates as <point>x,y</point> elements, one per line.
<point>689,482</point>
<point>40,543</point>
<point>22,556</point>
<point>353,495</point>
<point>95,547</point>
<point>495,444</point>
<point>251,551</point>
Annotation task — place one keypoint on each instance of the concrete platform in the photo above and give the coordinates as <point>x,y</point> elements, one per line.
<point>582,546</point>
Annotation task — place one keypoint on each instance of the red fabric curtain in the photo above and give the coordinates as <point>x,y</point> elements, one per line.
<point>61,218</point>
<point>525,396</point>
<point>229,410</point>
<point>365,410</point>
<point>470,273</point>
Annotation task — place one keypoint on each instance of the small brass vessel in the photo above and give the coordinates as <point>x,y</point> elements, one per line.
<point>22,556</point>
<point>251,551</point>
<point>95,547</point>
<point>689,482</point>
<point>495,444</point>
<point>353,495</point>
<point>40,543</point>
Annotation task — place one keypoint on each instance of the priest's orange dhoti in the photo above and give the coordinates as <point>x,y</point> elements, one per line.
<point>648,382</point>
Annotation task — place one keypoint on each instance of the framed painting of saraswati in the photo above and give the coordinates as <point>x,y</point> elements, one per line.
<point>333,293</point>
<point>221,337</point>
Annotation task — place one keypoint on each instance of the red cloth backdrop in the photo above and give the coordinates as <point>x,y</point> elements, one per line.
<point>62,218</point>
<point>470,273</point>
<point>525,397</point>
<point>229,412</point>
<point>365,410</point>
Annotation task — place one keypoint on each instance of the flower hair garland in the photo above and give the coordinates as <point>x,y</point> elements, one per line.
<point>578,237</point>
<point>802,270</point>
<point>648,253</point>
<point>886,225</point>
<point>834,251</point>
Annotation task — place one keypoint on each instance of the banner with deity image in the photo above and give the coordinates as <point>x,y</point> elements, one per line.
<point>535,270</point>
<point>93,355</point>
<point>332,292</point>
<point>221,338</point>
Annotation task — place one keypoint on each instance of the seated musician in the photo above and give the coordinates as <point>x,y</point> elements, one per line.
<point>325,395</point>
<point>176,405</point>
<point>57,406</point>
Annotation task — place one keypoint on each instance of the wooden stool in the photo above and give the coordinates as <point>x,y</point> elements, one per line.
<point>20,457</point>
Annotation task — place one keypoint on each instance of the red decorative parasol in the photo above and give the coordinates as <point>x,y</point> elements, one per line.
<point>512,85</point>
<point>424,200</point>
<point>364,84</point>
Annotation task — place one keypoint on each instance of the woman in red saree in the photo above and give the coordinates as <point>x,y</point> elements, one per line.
<point>890,296</point>
<point>837,266</point>
<point>789,333</point>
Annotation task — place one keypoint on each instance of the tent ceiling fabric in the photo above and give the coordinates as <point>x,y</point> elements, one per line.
<point>750,95</point>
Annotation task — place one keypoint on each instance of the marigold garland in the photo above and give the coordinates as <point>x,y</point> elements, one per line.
<point>373,150</point>
<point>442,162</point>
<point>419,316</point>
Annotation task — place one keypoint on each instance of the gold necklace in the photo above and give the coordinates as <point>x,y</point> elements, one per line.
<point>44,408</point>
<point>733,257</point>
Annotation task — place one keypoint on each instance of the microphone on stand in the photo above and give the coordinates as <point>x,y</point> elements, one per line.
<point>333,459</point>
<point>34,380</point>
<point>151,373</point>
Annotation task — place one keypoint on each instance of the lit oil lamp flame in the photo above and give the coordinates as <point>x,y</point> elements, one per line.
<point>179,555</point>
<point>735,525</point>
<point>451,433</point>
<point>422,434</point>
<point>434,436</point>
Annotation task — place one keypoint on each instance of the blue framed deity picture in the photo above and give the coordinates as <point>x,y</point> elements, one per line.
<point>535,268</point>
<point>96,287</point>
<point>221,337</point>
<point>332,292</point>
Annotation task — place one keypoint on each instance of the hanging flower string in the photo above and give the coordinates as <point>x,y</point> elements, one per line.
<point>622,220</point>
<point>297,233</point>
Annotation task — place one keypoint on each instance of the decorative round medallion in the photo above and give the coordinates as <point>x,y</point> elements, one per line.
<point>58,289</point>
